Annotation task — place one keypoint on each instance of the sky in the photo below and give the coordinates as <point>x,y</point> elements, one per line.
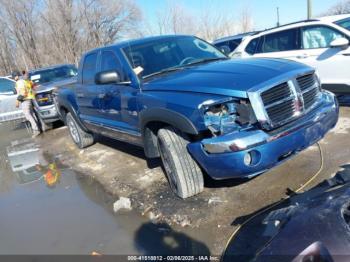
<point>263,11</point>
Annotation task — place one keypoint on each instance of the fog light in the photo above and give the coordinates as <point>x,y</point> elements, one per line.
<point>252,158</point>
<point>247,159</point>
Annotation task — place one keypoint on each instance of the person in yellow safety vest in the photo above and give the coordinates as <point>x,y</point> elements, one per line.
<point>25,99</point>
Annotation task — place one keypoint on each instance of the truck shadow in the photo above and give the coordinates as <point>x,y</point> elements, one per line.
<point>138,152</point>
<point>161,239</point>
<point>129,149</point>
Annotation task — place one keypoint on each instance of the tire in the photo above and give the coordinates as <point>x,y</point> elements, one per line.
<point>184,175</point>
<point>81,138</point>
<point>45,126</point>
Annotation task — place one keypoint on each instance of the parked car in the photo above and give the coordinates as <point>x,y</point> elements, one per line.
<point>229,44</point>
<point>46,80</point>
<point>181,99</point>
<point>318,43</point>
<point>312,226</point>
<point>8,97</point>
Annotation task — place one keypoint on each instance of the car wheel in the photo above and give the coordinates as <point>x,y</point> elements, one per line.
<point>184,175</point>
<point>81,138</point>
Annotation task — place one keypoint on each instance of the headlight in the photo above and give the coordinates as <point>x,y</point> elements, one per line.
<point>226,115</point>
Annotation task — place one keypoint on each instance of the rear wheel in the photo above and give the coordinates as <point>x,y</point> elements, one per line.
<point>184,175</point>
<point>81,138</point>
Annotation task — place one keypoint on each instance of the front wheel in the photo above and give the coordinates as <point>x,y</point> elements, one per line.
<point>184,175</point>
<point>81,138</point>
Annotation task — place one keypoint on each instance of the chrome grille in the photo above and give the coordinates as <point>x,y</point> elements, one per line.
<point>281,111</point>
<point>276,94</point>
<point>309,89</point>
<point>279,102</point>
<point>288,100</point>
<point>44,99</point>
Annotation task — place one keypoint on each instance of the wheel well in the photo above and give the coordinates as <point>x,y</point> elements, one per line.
<point>63,112</point>
<point>150,138</point>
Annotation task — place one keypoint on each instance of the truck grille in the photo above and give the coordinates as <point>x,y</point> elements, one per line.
<point>290,99</point>
<point>278,102</point>
<point>44,99</point>
<point>309,89</point>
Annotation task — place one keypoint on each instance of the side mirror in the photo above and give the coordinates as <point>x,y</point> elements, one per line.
<point>225,49</point>
<point>107,77</point>
<point>340,42</point>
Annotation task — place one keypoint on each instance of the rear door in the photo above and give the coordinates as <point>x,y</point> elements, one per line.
<point>282,44</point>
<point>8,97</point>
<point>332,63</point>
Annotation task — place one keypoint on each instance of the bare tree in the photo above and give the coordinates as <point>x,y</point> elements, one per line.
<point>342,7</point>
<point>213,25</point>
<point>245,21</point>
<point>21,20</point>
<point>106,21</point>
<point>61,27</point>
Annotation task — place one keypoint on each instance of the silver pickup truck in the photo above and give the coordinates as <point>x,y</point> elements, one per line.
<point>47,80</point>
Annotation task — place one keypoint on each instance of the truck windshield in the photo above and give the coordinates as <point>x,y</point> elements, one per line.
<point>345,23</point>
<point>53,74</point>
<point>167,54</point>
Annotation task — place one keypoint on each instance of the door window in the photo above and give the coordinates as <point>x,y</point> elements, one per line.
<point>89,68</point>
<point>252,46</point>
<point>6,86</point>
<point>318,37</point>
<point>278,42</point>
<point>109,61</point>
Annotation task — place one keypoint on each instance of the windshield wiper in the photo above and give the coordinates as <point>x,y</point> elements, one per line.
<point>164,71</point>
<point>181,67</point>
<point>206,60</point>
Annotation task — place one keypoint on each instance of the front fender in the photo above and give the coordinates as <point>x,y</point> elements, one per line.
<point>168,117</point>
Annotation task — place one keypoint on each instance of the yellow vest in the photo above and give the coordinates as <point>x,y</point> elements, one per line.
<point>25,88</point>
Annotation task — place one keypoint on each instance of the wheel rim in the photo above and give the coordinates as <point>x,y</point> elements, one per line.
<point>73,131</point>
<point>166,163</point>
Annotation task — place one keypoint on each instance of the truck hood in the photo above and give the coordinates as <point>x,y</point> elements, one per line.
<point>55,84</point>
<point>229,77</point>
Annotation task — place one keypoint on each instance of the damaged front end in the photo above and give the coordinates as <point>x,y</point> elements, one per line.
<point>239,145</point>
<point>227,115</point>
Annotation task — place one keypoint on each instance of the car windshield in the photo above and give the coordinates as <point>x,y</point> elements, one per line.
<point>54,74</point>
<point>169,54</point>
<point>345,23</point>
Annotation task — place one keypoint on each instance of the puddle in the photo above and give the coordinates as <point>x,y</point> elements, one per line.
<point>47,208</point>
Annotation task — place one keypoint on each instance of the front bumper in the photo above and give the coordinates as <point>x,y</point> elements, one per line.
<point>223,157</point>
<point>47,113</point>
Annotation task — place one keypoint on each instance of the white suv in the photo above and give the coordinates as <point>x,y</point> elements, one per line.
<point>322,43</point>
<point>8,97</point>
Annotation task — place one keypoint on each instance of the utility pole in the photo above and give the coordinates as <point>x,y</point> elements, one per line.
<point>278,16</point>
<point>309,9</point>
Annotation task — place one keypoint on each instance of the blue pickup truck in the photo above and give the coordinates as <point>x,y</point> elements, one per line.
<point>183,100</point>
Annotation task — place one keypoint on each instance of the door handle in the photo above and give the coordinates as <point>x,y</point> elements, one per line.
<point>80,95</point>
<point>108,94</point>
<point>303,56</point>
